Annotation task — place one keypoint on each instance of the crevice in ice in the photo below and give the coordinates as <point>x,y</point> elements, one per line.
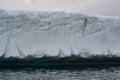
<point>22,55</point>
<point>84,26</point>
<point>73,53</point>
<point>8,44</point>
<point>61,53</point>
<point>7,47</point>
<point>45,54</point>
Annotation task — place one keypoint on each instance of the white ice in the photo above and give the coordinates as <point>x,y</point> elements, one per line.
<point>25,33</point>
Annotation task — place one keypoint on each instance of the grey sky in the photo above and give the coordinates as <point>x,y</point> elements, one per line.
<point>46,5</point>
<point>90,7</point>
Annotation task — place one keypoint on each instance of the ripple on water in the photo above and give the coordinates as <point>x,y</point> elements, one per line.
<point>46,74</point>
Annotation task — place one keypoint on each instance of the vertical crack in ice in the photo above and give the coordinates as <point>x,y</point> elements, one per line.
<point>72,52</point>
<point>22,55</point>
<point>7,47</point>
<point>84,26</point>
<point>61,53</point>
<point>8,44</point>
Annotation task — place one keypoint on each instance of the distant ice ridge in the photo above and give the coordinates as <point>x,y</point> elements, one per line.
<point>24,33</point>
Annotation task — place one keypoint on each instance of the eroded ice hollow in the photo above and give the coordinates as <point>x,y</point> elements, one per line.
<point>25,33</point>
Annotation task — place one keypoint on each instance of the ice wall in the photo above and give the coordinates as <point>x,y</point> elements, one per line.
<point>25,33</point>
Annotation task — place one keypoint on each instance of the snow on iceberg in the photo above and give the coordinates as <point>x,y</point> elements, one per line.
<point>24,33</point>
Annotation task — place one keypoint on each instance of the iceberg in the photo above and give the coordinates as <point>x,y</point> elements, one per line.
<point>24,33</point>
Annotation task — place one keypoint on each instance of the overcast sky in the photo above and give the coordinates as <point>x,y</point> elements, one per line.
<point>46,5</point>
<point>92,7</point>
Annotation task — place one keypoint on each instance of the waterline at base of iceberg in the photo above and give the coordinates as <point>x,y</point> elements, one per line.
<point>74,61</point>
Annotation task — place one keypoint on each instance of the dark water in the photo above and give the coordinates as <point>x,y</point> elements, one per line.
<point>112,73</point>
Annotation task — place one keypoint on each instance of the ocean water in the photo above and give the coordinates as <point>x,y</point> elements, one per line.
<point>111,73</point>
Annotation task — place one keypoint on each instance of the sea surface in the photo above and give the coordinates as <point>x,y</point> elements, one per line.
<point>108,73</point>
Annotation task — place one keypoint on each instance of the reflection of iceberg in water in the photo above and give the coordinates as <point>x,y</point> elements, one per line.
<point>41,34</point>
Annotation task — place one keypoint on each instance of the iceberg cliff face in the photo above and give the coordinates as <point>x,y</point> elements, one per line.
<point>38,33</point>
